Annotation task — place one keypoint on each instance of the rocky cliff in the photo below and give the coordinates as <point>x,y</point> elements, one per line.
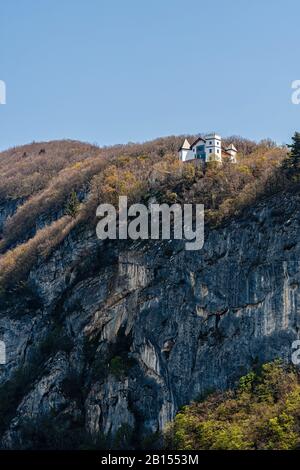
<point>109,337</point>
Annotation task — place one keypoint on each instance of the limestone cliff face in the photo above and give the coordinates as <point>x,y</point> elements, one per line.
<point>7,209</point>
<point>124,333</point>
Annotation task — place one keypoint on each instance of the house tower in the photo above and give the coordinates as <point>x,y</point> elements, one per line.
<point>213,147</point>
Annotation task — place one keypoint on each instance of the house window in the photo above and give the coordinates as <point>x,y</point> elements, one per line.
<point>210,142</point>
<point>218,150</point>
<point>200,152</point>
<point>210,150</point>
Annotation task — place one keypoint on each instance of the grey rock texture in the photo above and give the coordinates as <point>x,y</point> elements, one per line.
<point>121,334</point>
<point>7,209</point>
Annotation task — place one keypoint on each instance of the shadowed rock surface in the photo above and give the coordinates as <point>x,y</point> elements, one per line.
<point>110,336</point>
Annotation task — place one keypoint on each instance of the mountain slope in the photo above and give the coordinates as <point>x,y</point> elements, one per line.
<point>106,340</point>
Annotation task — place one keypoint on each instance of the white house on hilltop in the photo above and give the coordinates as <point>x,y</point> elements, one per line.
<point>208,148</point>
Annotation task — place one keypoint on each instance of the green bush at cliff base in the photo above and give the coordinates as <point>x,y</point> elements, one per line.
<point>262,413</point>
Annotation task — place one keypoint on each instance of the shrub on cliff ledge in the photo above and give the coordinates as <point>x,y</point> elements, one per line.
<point>263,413</point>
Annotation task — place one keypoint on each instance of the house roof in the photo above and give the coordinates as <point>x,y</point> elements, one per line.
<point>213,136</point>
<point>196,141</point>
<point>231,147</point>
<point>224,151</point>
<point>186,145</point>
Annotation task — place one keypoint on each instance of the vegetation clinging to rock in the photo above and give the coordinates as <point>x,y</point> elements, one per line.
<point>263,413</point>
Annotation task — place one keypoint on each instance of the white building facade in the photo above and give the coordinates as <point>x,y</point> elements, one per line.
<point>208,148</point>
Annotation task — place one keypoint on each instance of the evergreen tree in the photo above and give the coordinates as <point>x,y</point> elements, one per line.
<point>72,204</point>
<point>292,162</point>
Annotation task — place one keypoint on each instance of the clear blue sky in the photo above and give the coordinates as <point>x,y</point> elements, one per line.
<point>113,71</point>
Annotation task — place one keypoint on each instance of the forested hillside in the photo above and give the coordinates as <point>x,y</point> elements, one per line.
<point>47,189</point>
